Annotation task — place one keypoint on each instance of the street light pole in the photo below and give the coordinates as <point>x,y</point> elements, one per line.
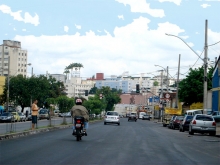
<point>205,64</point>
<point>205,69</point>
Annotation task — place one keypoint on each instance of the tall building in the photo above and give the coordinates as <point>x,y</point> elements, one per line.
<point>13,59</point>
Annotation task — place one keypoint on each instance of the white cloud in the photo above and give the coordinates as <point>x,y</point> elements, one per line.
<point>17,15</point>
<point>121,17</point>
<point>66,28</point>
<point>78,26</point>
<point>177,2</point>
<point>24,30</point>
<point>140,6</point>
<point>134,48</point>
<point>14,29</point>
<point>205,5</point>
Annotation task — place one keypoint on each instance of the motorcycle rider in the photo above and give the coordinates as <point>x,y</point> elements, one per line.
<point>79,110</point>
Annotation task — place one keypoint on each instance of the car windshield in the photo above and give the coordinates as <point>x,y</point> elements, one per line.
<point>112,113</point>
<point>6,114</point>
<point>43,111</point>
<point>20,114</point>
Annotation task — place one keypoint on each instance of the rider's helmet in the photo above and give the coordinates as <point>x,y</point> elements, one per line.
<point>78,101</point>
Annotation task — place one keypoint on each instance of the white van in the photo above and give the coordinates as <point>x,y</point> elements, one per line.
<point>141,114</point>
<point>194,112</point>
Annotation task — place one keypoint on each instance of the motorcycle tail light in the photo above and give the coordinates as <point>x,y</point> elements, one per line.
<point>78,121</point>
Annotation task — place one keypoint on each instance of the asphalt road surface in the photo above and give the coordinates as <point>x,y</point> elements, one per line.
<point>131,143</point>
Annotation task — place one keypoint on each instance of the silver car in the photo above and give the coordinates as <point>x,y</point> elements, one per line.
<point>112,117</point>
<point>202,124</point>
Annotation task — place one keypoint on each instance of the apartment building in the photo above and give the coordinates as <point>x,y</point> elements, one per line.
<point>13,59</point>
<point>76,86</point>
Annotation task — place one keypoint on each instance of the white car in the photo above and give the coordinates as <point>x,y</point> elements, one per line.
<point>112,117</point>
<point>22,117</point>
<point>202,124</point>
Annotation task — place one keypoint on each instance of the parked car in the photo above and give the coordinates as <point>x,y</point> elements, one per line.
<point>112,117</point>
<point>176,122</point>
<point>16,116</point>
<point>56,112</point>
<point>29,118</point>
<point>170,122</point>
<point>66,114</point>
<point>184,125</point>
<point>202,124</point>
<point>44,114</point>
<point>146,117</point>
<point>132,117</point>
<point>7,117</point>
<point>22,116</point>
<point>216,116</point>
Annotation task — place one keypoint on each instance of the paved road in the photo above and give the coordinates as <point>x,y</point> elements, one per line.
<point>21,126</point>
<point>131,143</point>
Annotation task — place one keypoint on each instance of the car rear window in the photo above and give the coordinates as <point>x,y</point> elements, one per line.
<point>189,117</point>
<point>112,113</point>
<point>204,118</point>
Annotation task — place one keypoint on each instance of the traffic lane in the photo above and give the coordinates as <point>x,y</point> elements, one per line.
<point>140,142</point>
<point>22,126</point>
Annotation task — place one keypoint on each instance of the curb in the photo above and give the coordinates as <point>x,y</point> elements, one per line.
<point>40,130</point>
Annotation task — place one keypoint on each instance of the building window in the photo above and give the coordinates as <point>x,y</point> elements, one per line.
<point>6,47</point>
<point>25,70</point>
<point>22,70</point>
<point>18,70</point>
<point>6,53</point>
<point>5,59</point>
<point>22,54</point>
<point>18,59</point>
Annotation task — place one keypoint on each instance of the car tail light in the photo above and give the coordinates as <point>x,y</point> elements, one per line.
<point>194,122</point>
<point>214,124</point>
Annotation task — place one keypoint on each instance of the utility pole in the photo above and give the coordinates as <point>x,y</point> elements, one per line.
<point>161,96</point>
<point>8,83</point>
<point>177,83</point>
<point>205,69</point>
<point>167,83</point>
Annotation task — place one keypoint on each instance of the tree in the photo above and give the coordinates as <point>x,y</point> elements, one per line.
<point>93,90</point>
<point>65,103</point>
<point>110,98</point>
<point>191,88</point>
<point>22,90</point>
<point>94,105</point>
<point>156,83</point>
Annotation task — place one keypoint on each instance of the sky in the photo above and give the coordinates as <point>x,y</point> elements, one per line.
<point>113,36</point>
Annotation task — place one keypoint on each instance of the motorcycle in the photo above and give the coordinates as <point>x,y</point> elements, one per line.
<point>79,124</point>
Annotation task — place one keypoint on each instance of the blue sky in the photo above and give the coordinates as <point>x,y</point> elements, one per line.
<point>111,36</point>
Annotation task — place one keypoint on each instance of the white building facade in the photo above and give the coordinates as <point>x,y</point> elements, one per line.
<point>13,58</point>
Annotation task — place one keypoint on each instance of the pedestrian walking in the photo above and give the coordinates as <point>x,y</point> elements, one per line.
<point>34,115</point>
